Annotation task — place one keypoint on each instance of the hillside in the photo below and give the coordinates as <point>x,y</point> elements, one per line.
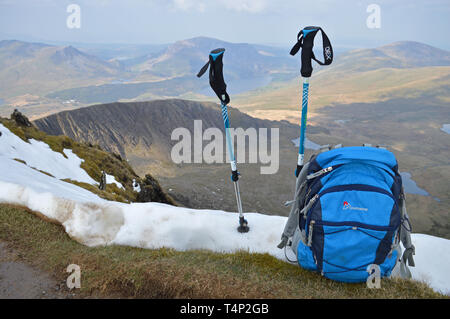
<point>186,57</point>
<point>141,131</point>
<point>398,70</point>
<point>402,54</point>
<point>36,68</point>
<point>72,163</point>
<point>180,244</point>
<point>171,72</point>
<point>42,79</point>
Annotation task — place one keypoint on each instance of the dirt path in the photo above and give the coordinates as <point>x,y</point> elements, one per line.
<point>21,281</point>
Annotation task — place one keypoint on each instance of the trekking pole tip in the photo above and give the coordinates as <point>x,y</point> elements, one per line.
<point>243,225</point>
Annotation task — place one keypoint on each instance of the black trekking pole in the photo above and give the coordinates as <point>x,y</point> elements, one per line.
<point>305,41</point>
<point>218,85</point>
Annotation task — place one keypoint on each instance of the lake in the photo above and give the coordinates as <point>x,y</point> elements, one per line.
<point>308,144</point>
<point>410,185</point>
<point>446,128</point>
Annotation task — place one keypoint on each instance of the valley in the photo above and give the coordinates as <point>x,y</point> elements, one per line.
<point>140,131</point>
<point>43,79</point>
<point>129,102</point>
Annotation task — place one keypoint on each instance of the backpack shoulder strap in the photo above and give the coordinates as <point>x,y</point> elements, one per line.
<point>405,237</point>
<point>292,221</point>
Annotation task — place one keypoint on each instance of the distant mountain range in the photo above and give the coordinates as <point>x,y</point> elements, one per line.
<point>38,68</point>
<point>398,70</point>
<point>402,54</point>
<point>242,60</point>
<point>140,131</point>
<point>261,79</point>
<point>171,72</point>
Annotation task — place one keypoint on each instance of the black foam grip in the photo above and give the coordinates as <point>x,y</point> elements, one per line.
<point>307,53</point>
<point>216,79</point>
<point>298,170</point>
<point>234,176</point>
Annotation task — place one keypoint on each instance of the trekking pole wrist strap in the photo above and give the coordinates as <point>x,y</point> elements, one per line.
<point>305,41</point>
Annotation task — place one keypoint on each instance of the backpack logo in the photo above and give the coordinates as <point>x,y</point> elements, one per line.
<point>348,206</point>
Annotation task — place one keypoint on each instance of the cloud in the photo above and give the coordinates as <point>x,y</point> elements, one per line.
<point>187,5</point>
<point>251,6</point>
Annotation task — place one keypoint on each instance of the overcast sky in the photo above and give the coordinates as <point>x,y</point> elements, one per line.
<point>254,21</point>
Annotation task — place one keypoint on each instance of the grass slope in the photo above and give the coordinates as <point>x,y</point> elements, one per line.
<point>116,271</point>
<point>281,100</point>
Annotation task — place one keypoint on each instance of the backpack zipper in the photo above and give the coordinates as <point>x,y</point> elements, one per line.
<point>331,168</point>
<point>320,173</point>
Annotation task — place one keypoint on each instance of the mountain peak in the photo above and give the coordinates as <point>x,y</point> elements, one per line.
<point>22,44</point>
<point>71,51</point>
<point>409,46</point>
<point>416,53</point>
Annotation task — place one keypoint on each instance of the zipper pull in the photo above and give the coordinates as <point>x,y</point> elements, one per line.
<point>309,205</point>
<point>319,173</point>
<point>311,228</point>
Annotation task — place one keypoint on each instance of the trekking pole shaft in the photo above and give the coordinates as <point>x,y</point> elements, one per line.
<point>301,147</point>
<point>234,171</point>
<point>238,198</point>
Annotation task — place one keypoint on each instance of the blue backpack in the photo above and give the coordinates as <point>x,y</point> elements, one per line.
<point>348,214</point>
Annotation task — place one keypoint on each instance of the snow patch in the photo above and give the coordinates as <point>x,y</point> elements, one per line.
<point>110,179</point>
<point>432,261</point>
<point>136,186</point>
<point>94,221</point>
<point>39,155</point>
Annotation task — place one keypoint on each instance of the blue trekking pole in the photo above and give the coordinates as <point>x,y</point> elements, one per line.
<point>218,85</point>
<point>305,41</point>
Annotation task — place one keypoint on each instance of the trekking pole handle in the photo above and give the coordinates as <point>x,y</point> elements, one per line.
<point>298,170</point>
<point>216,80</point>
<point>307,55</point>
